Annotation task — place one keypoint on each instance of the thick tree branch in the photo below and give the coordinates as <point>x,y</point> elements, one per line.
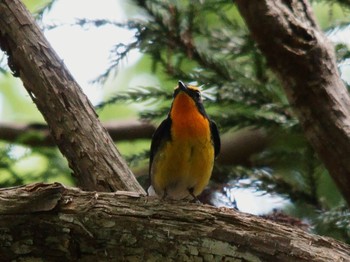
<point>55,223</point>
<point>297,50</point>
<point>74,125</point>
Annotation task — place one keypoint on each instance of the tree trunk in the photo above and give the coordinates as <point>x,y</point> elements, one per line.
<point>54,223</point>
<point>296,49</point>
<point>74,125</point>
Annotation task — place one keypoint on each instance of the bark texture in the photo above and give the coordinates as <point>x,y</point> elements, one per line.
<point>48,222</point>
<point>74,125</point>
<point>296,49</point>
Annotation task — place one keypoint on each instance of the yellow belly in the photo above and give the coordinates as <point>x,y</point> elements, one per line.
<point>182,165</point>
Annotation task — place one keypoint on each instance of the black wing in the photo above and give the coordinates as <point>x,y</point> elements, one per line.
<point>161,135</point>
<point>215,137</point>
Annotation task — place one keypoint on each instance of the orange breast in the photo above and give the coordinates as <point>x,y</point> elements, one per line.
<point>187,122</point>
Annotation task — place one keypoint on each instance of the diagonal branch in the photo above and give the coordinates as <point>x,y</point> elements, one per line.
<point>73,123</point>
<point>296,49</point>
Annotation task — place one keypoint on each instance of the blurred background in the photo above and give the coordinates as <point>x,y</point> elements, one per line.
<point>127,56</point>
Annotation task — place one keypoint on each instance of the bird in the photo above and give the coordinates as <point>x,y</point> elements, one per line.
<point>183,148</point>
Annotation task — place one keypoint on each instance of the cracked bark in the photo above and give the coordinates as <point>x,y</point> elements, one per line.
<point>296,49</point>
<point>54,223</point>
<point>73,123</point>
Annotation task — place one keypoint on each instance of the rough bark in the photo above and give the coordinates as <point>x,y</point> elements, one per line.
<point>74,125</point>
<point>54,223</point>
<point>287,34</point>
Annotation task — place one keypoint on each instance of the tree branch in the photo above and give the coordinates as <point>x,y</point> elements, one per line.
<point>51,222</point>
<point>237,148</point>
<point>39,135</point>
<point>74,125</point>
<point>287,34</point>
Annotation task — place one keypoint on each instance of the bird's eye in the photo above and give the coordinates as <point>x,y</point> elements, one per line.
<point>197,94</point>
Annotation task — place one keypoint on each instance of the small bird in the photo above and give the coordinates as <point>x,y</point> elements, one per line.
<point>183,148</point>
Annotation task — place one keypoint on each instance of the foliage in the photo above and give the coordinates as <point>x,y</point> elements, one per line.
<point>19,165</point>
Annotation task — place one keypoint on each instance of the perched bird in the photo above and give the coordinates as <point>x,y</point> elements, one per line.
<point>183,147</point>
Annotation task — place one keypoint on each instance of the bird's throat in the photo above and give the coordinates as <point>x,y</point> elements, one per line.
<point>187,121</point>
